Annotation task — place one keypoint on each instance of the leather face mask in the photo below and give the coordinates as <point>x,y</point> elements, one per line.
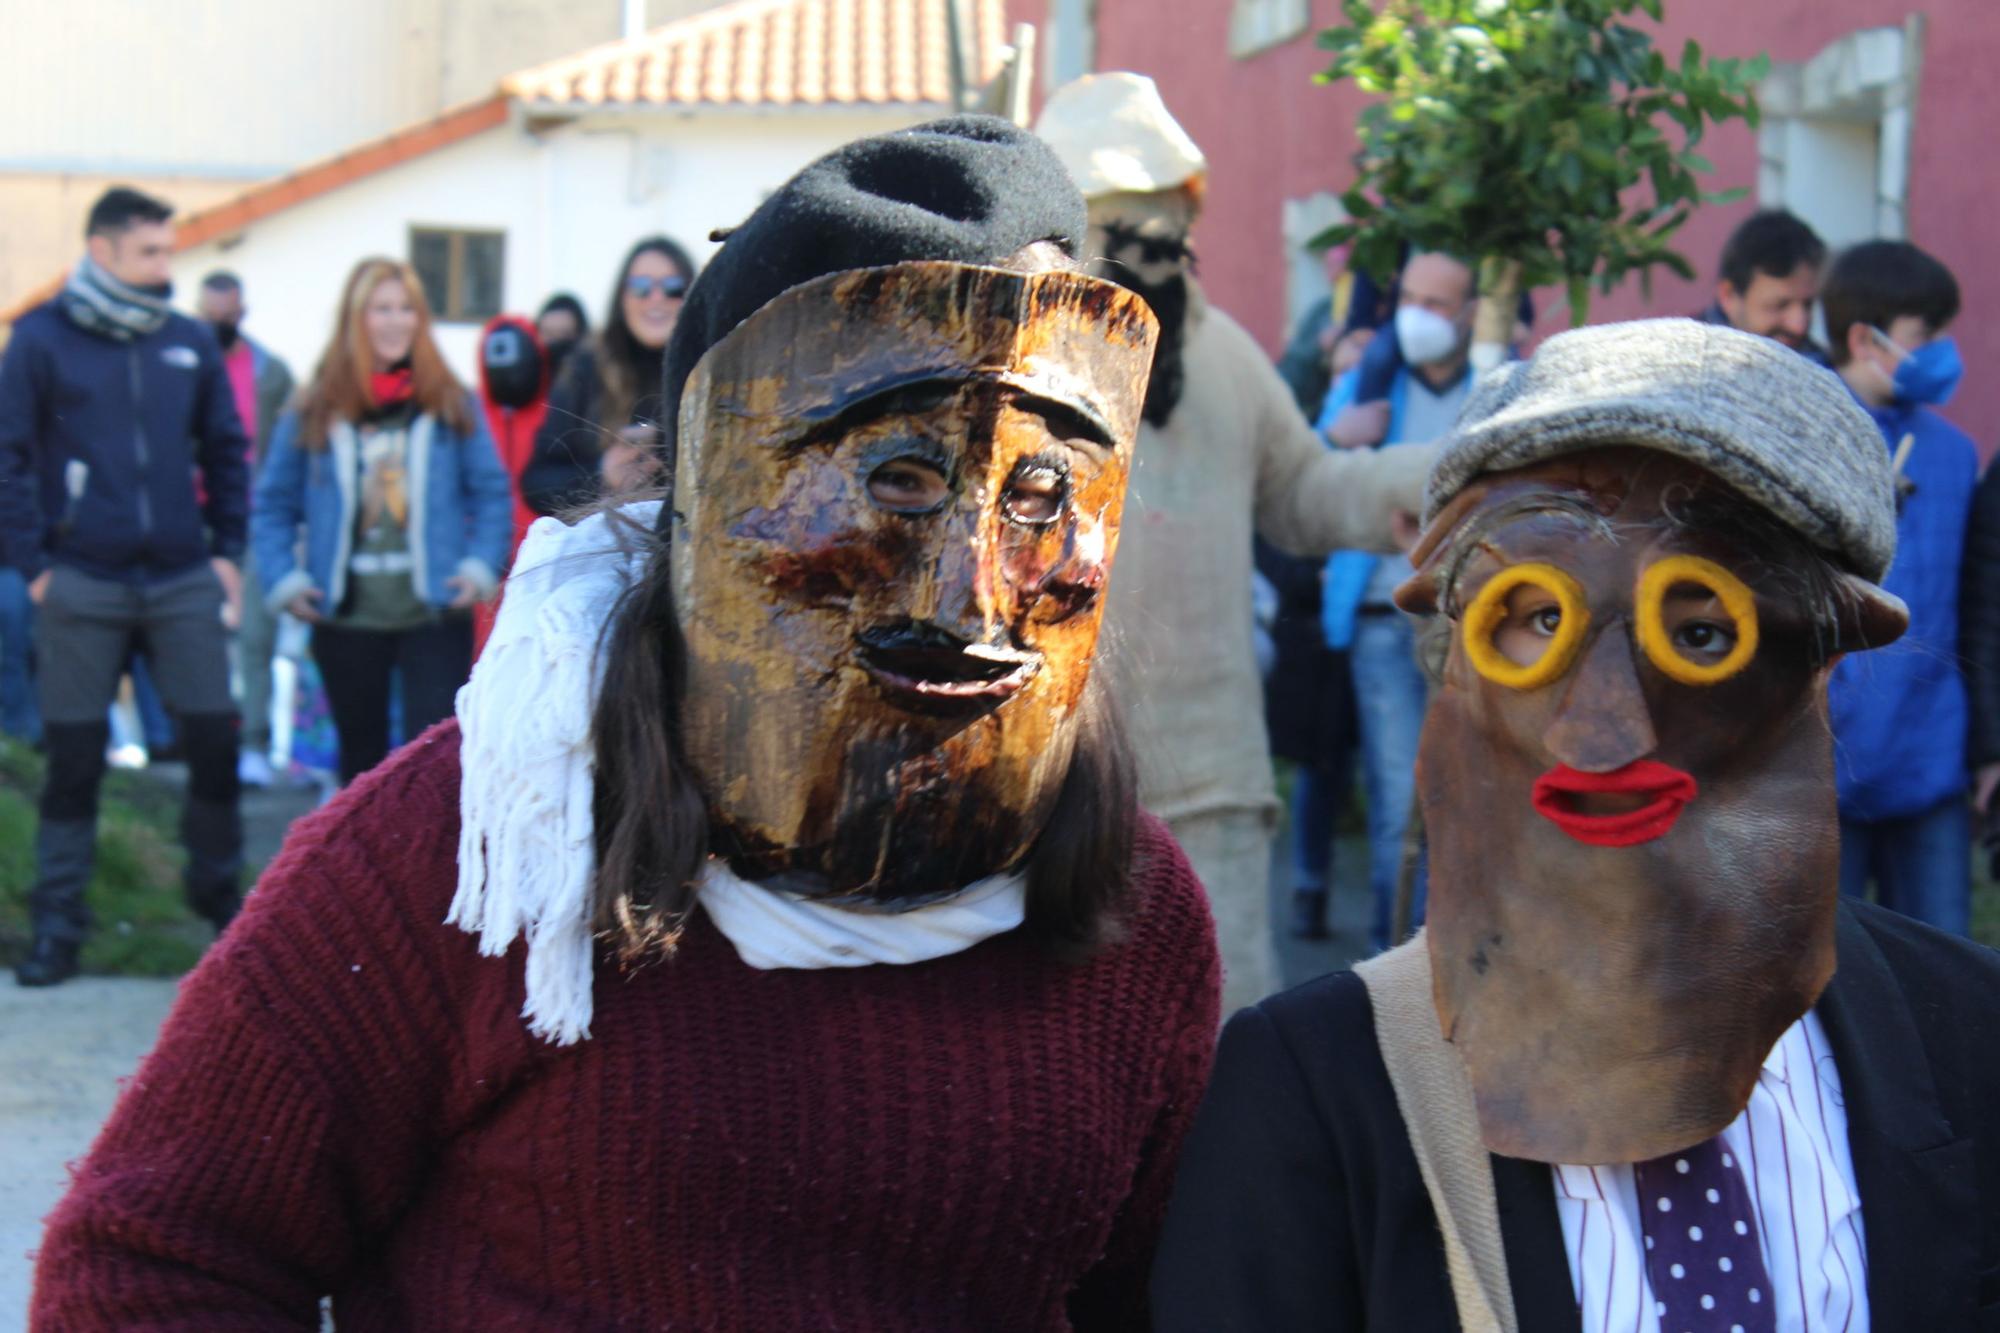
<point>1627,782</point>
<point>899,493</point>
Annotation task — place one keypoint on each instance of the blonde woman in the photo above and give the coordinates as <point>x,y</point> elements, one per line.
<point>387,466</point>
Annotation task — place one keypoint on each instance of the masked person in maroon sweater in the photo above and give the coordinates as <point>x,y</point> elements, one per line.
<point>796,959</point>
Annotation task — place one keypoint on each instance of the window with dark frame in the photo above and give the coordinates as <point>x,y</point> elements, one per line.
<point>463,272</point>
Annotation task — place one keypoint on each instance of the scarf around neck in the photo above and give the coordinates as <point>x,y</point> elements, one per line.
<point>526,850</point>
<point>101,304</point>
<point>392,387</point>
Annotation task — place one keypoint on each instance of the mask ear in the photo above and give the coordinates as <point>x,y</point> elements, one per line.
<point>1865,616</point>
<point>1418,594</point>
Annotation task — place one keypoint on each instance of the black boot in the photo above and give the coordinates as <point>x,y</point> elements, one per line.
<point>50,962</point>
<point>1309,914</point>
<point>65,851</point>
<point>213,834</point>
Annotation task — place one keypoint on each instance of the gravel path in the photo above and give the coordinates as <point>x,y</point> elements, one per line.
<point>62,1054</point>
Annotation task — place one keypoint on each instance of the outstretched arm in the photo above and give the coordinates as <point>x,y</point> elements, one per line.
<point>1312,499</point>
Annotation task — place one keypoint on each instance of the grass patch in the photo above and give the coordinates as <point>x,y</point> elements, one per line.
<point>144,929</point>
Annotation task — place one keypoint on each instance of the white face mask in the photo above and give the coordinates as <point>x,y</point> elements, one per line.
<point>1424,335</point>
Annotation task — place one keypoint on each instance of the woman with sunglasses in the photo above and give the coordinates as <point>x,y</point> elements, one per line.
<point>601,429</point>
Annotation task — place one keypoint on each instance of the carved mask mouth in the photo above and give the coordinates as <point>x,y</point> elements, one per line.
<point>927,668</point>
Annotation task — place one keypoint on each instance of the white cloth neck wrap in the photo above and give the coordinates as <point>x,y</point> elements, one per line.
<point>525,846</point>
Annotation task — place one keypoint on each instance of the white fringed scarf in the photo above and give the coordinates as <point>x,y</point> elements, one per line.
<point>525,853</point>
<point>525,848</point>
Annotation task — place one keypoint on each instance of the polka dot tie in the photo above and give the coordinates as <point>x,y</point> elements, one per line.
<point>1702,1253</point>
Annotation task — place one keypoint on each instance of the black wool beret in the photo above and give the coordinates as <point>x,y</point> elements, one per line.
<point>968,189</point>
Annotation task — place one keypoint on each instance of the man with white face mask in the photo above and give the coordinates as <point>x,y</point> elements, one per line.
<point>1433,331</point>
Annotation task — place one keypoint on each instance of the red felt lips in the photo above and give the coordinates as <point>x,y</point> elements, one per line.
<point>1669,788</point>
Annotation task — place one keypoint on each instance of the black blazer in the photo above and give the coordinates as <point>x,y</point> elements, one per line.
<point>1299,1205</point>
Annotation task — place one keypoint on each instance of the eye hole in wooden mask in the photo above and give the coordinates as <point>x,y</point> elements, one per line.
<point>1696,621</point>
<point>1525,626</point>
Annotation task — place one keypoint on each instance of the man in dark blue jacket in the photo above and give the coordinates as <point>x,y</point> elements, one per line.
<point>1899,715</point>
<point>110,403</point>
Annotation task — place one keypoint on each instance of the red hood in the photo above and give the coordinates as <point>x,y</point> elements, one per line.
<point>525,325</point>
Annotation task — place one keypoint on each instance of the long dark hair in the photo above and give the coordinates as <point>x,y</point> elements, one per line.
<point>652,822</point>
<point>628,372</point>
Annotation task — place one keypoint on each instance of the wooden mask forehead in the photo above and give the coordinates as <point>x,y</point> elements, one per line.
<point>825,346</point>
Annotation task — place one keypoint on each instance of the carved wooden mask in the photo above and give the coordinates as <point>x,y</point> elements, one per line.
<point>1627,780</point>
<point>899,492</point>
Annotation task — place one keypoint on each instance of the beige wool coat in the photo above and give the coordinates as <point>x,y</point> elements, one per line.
<point>1235,457</point>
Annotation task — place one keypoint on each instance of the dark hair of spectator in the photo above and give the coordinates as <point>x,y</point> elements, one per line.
<point>629,370</point>
<point>1879,282</point>
<point>571,305</point>
<point>222,280</point>
<point>121,208</point>
<point>1772,242</point>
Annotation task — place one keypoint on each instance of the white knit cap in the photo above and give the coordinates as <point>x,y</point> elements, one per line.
<point>1115,135</point>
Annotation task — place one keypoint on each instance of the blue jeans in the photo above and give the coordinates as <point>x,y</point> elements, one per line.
<point>1389,697</point>
<point>1318,794</point>
<point>1921,863</point>
<point>19,715</point>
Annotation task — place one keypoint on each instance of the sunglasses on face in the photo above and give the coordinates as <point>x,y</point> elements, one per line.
<point>1119,236</point>
<point>642,287</point>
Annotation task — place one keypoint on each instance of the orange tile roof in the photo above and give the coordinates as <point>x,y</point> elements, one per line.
<point>317,178</point>
<point>775,53</point>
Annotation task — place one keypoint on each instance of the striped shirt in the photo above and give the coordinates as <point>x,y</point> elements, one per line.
<point>1791,1142</point>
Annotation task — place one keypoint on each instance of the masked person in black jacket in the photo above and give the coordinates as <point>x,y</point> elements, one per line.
<point>110,405</point>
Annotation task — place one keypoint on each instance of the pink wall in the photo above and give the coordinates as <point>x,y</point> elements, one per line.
<point>1271,134</point>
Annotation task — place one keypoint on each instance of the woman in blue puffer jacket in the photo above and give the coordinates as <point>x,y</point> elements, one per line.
<point>387,466</point>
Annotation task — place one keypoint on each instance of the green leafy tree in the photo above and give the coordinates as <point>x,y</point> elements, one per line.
<point>1548,140</point>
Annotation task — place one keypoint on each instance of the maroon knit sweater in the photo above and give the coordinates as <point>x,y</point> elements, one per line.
<point>346,1102</point>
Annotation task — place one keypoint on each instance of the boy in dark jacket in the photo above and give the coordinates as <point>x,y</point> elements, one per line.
<point>110,403</point>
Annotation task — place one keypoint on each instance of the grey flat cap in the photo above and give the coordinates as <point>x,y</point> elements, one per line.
<point>1784,432</point>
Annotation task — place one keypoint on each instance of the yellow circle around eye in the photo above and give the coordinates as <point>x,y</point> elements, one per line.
<point>1489,609</point>
<point>1735,596</point>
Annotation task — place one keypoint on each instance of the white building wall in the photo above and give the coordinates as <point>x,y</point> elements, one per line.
<point>249,88</point>
<point>571,202</point>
